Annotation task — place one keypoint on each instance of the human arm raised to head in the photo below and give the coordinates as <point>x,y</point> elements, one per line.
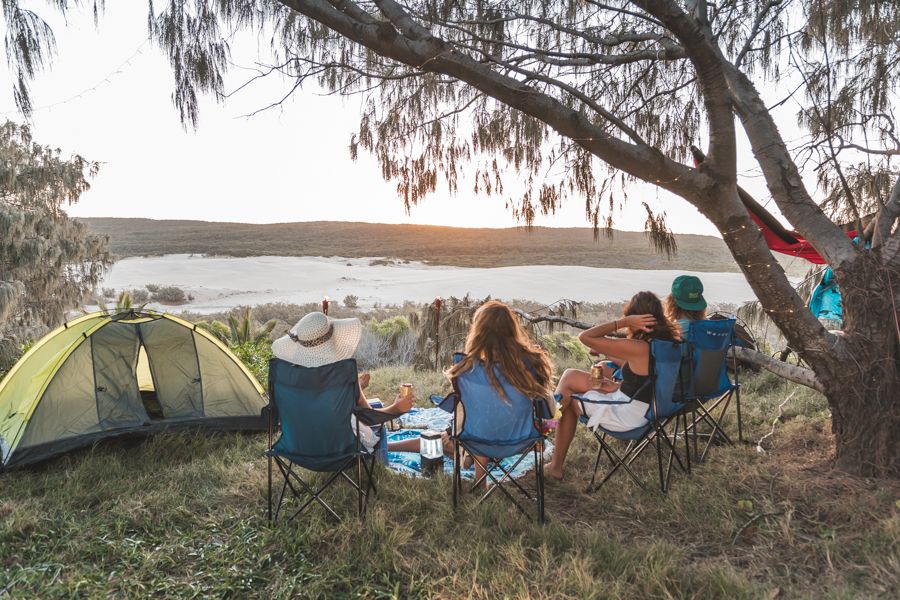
<point>629,350</point>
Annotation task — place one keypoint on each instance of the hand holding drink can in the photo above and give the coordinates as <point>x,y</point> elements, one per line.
<point>596,375</point>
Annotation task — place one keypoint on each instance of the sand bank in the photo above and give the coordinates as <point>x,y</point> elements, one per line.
<point>221,283</point>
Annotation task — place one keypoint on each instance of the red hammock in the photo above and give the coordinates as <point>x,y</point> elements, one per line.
<point>798,247</point>
<point>777,237</point>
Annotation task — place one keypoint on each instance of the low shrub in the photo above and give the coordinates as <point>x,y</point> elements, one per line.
<point>565,348</point>
<point>140,295</point>
<point>256,356</point>
<point>169,294</point>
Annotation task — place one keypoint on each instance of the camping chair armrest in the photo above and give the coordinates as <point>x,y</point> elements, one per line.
<point>445,403</point>
<point>372,417</point>
<point>542,409</point>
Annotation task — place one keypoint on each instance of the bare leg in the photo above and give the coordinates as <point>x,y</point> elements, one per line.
<point>409,445</point>
<point>479,470</point>
<point>572,381</point>
<point>413,445</point>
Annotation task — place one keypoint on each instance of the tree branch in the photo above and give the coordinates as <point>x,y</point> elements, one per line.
<point>438,56</point>
<point>886,217</point>
<point>784,370</point>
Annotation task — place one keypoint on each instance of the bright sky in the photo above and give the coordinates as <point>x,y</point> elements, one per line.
<point>108,97</point>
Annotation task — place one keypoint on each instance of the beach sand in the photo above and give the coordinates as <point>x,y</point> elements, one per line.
<point>221,283</point>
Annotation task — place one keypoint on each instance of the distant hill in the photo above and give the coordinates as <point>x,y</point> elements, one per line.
<point>436,245</point>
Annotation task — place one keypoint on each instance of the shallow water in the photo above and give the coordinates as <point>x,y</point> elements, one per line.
<point>220,283</point>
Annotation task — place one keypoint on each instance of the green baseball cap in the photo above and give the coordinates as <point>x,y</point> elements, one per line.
<point>688,292</point>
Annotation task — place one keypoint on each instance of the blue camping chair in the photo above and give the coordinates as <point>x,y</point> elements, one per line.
<point>313,407</point>
<point>666,373</point>
<point>495,427</point>
<point>710,390</point>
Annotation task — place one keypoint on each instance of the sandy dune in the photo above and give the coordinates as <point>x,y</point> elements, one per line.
<point>221,283</point>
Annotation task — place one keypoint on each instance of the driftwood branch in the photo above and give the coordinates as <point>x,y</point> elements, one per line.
<point>552,319</point>
<point>785,370</point>
<point>805,377</point>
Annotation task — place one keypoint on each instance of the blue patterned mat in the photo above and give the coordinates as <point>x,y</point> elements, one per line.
<point>418,419</point>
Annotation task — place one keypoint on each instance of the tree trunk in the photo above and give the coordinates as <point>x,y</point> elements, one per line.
<point>863,389</point>
<point>865,416</point>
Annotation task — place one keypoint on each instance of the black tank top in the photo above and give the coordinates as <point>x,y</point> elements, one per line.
<point>636,387</point>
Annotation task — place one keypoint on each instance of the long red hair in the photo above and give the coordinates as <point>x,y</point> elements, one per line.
<point>497,338</point>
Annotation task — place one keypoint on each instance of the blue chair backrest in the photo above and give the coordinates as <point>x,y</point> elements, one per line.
<point>314,406</point>
<point>666,361</point>
<point>494,426</point>
<point>710,342</point>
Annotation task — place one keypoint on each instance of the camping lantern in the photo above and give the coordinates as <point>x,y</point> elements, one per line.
<point>325,305</point>
<point>431,450</point>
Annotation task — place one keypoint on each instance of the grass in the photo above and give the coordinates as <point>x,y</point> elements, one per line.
<point>182,515</point>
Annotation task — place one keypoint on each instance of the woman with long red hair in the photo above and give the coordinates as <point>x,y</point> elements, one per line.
<point>497,338</point>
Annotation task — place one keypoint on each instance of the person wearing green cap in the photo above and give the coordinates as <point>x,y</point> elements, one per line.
<point>686,302</point>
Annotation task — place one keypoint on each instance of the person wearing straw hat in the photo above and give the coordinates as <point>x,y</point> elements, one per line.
<point>317,340</point>
<point>686,302</point>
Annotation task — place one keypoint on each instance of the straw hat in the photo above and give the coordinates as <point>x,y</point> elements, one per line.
<point>318,340</point>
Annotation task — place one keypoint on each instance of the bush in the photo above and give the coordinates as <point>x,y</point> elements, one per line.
<point>391,329</point>
<point>109,292</point>
<point>388,342</point>
<point>351,301</point>
<point>152,287</point>
<point>255,355</point>
<point>140,296</point>
<point>565,348</point>
<point>219,329</point>
<point>169,294</point>
<point>283,311</point>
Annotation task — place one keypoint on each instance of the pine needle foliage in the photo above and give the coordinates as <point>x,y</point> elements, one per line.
<point>48,261</point>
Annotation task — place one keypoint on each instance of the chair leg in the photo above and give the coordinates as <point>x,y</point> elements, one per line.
<point>617,462</point>
<point>539,479</point>
<point>694,431</point>
<point>269,495</point>
<point>596,462</point>
<point>716,424</point>
<point>671,452</point>
<point>737,404</point>
<point>359,488</point>
<point>457,475</point>
<point>687,446</point>
<point>659,460</point>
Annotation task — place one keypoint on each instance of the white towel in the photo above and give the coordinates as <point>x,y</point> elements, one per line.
<point>615,417</point>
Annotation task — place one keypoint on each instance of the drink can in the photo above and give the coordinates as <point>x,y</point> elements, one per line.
<point>406,390</point>
<point>597,371</point>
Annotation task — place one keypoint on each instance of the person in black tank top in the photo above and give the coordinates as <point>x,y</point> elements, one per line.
<point>644,320</point>
<point>636,387</point>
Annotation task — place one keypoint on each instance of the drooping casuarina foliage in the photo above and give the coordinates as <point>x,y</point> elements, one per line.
<point>47,260</point>
<point>575,98</point>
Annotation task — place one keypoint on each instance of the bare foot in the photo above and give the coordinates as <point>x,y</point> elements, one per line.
<point>364,381</point>
<point>555,473</point>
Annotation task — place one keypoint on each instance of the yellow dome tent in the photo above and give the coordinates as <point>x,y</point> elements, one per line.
<point>108,374</point>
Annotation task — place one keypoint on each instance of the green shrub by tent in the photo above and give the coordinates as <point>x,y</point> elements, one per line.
<point>103,375</point>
